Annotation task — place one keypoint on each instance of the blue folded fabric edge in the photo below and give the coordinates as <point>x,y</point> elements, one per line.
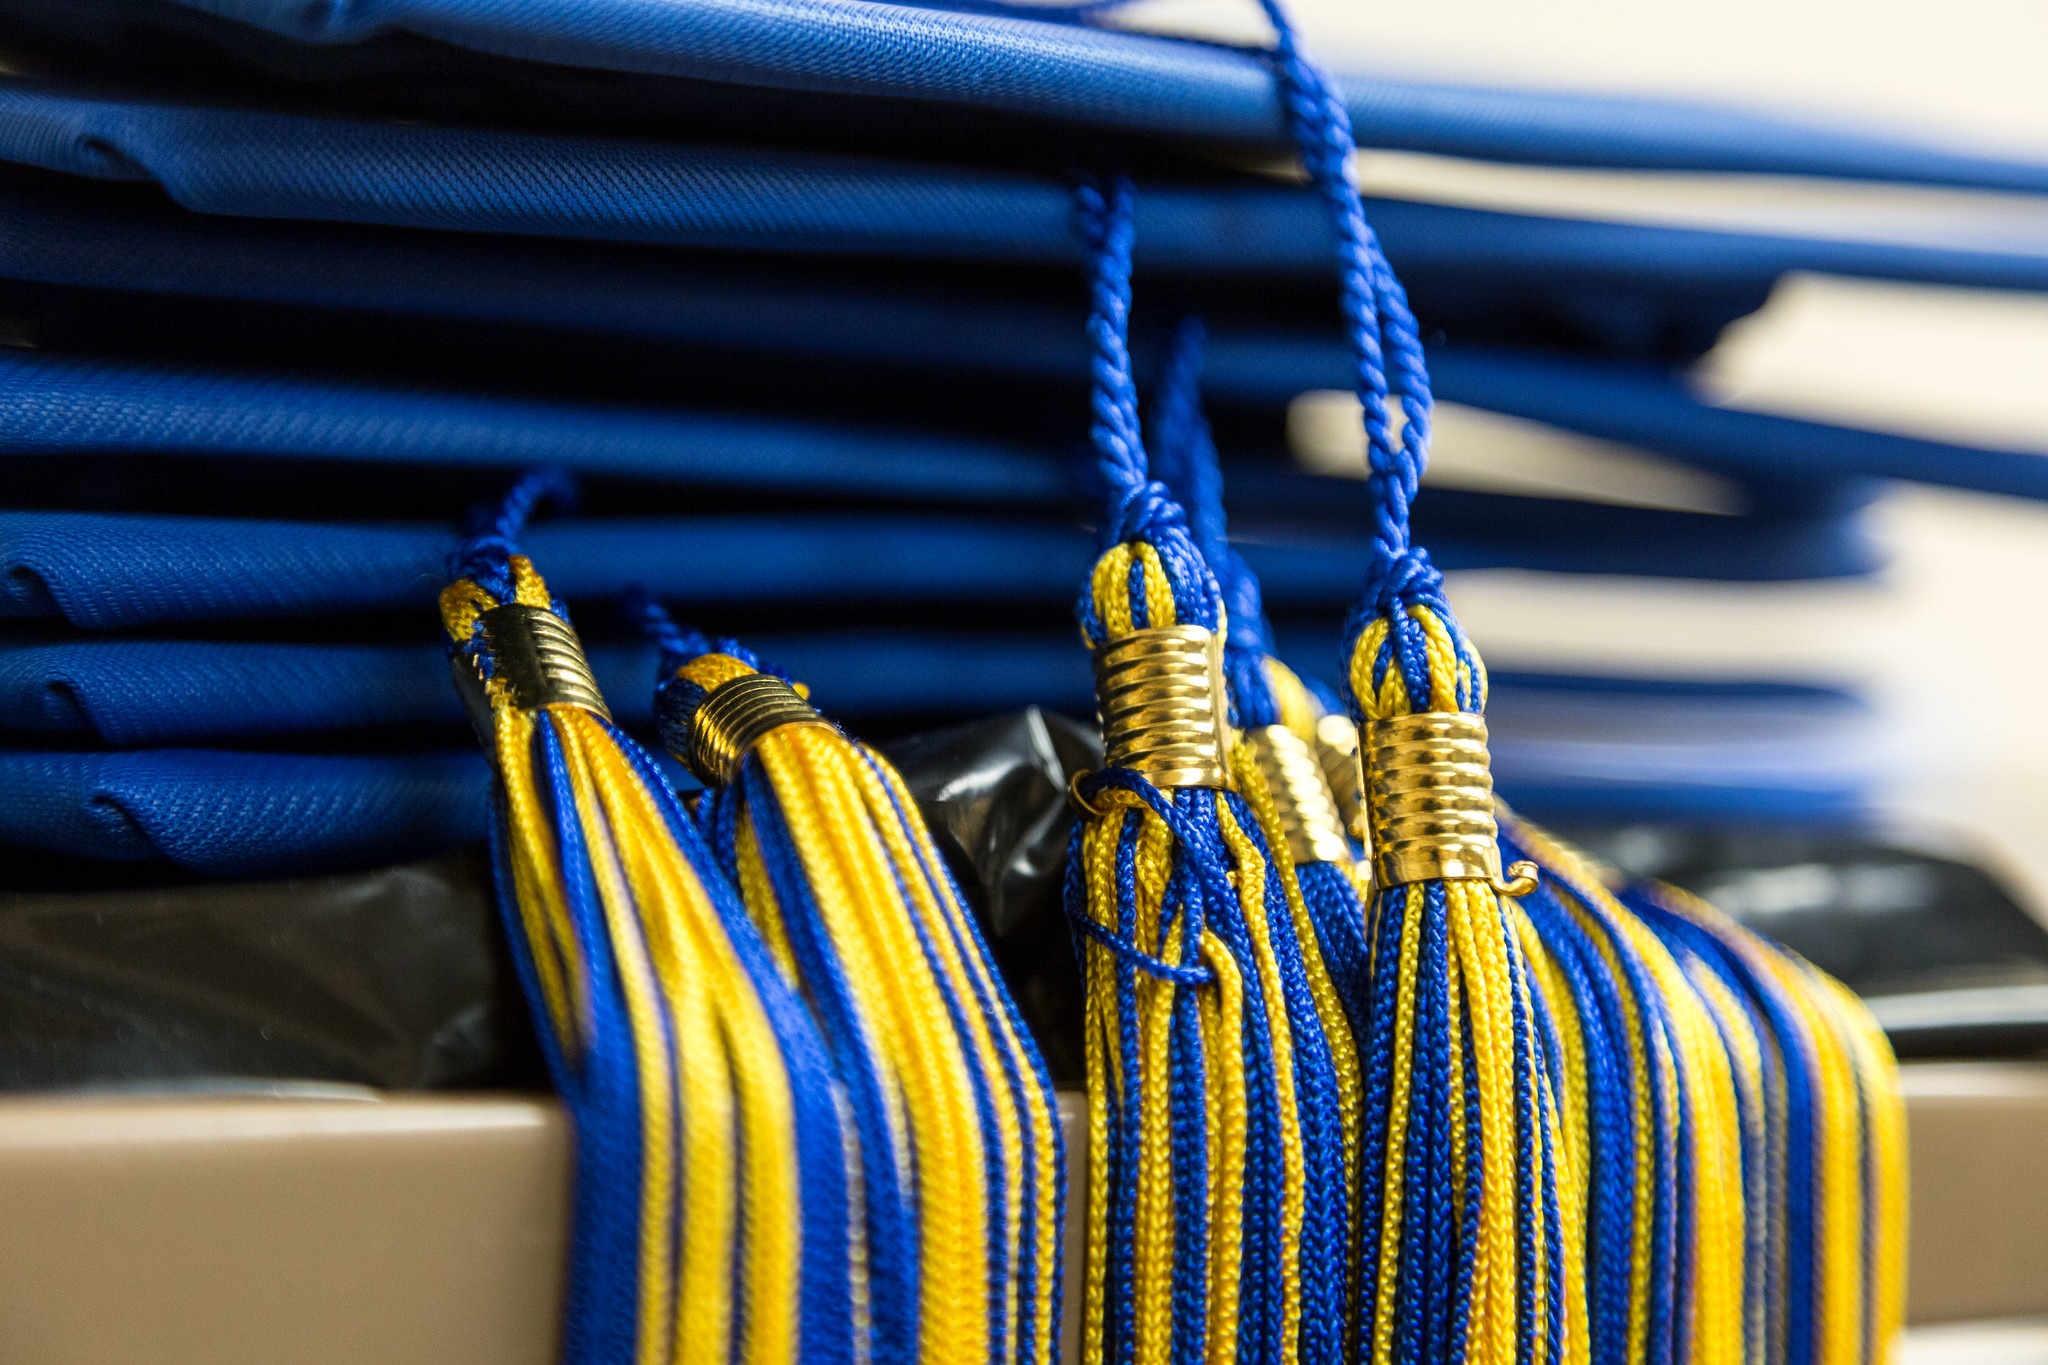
<point>1121,80</point>
<point>153,693</point>
<point>157,693</point>
<point>103,572</point>
<point>265,164</point>
<point>52,405</point>
<point>157,249</point>
<point>373,181</point>
<point>234,814</point>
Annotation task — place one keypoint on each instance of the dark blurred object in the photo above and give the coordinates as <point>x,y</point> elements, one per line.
<point>395,979</point>
<point>399,978</point>
<point>1951,964</point>
<point>995,795</point>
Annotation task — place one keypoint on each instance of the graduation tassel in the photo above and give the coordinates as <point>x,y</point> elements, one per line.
<point>961,1171</point>
<point>1468,1253</point>
<point>712,1214</point>
<point>1275,762</point>
<point>1218,1202</point>
<point>1598,1128</point>
<point>1827,1258</point>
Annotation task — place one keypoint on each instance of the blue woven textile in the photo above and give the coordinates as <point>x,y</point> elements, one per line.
<point>150,693</point>
<point>252,163</point>
<point>87,237</point>
<point>242,814</point>
<point>259,164</point>
<point>143,693</point>
<point>1115,79</point>
<point>49,404</point>
<point>106,572</point>
<point>237,814</point>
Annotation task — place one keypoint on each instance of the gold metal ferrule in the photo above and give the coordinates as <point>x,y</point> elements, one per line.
<point>1429,787</point>
<point>537,657</point>
<point>1164,714</point>
<point>738,714</point>
<point>1337,752</point>
<point>1301,796</point>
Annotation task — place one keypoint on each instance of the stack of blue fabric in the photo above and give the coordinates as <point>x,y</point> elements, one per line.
<point>287,286</point>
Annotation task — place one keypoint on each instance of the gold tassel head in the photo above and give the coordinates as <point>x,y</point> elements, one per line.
<point>1429,788</point>
<point>1302,800</point>
<point>1163,708</point>
<point>737,707</point>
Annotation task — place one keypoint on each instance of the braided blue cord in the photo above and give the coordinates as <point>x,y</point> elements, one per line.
<point>1140,507</point>
<point>678,643</point>
<point>492,536</point>
<point>1387,355</point>
<point>1184,458</point>
<point>1380,327</point>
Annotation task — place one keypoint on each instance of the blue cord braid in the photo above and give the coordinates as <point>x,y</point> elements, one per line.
<point>492,536</point>
<point>1140,509</point>
<point>1184,458</point>
<point>1379,325</point>
<point>1384,340</point>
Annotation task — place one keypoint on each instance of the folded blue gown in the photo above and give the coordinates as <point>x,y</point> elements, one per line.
<point>1127,81</point>
<point>106,572</point>
<point>1615,750</point>
<point>231,814</point>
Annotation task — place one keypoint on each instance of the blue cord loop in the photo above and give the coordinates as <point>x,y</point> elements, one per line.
<point>492,536</point>
<point>1386,350</point>
<point>1184,457</point>
<point>1140,509</point>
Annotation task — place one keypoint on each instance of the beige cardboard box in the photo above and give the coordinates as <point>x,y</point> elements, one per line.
<point>1979,1243</point>
<point>430,1231</point>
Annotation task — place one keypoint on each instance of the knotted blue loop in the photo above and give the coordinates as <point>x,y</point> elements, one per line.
<point>1184,457</point>
<point>1385,342</point>
<point>1411,581</point>
<point>1140,509</point>
<point>1147,512</point>
<point>677,698</point>
<point>494,530</point>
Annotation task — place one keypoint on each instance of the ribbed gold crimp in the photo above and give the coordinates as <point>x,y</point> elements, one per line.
<point>1337,752</point>
<point>740,713</point>
<point>1301,795</point>
<point>1164,716</point>
<point>1429,788</point>
<point>537,656</point>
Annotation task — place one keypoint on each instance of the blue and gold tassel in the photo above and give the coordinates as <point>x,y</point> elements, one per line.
<point>1275,765</point>
<point>961,1162</point>
<point>1219,1210</point>
<point>713,1215</point>
<point>1470,1252</point>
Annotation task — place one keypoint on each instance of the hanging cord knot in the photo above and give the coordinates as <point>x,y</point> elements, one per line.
<point>492,536</point>
<point>510,641</point>
<point>714,700</point>
<point>1152,609</point>
<point>1427,786</point>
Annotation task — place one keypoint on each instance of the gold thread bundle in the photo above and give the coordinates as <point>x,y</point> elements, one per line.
<point>960,1171</point>
<point>712,1210</point>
